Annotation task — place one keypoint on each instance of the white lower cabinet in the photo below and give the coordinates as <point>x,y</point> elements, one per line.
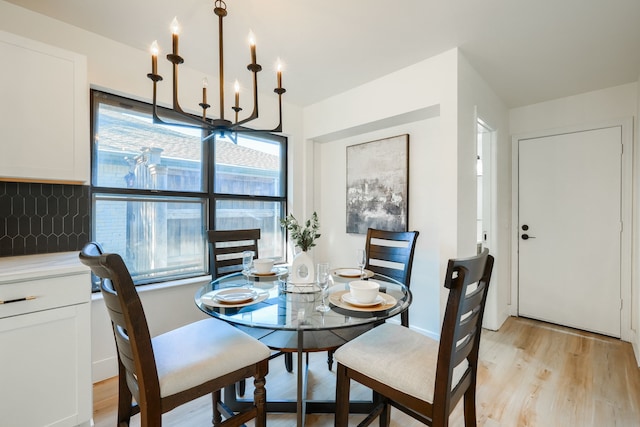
<point>45,349</point>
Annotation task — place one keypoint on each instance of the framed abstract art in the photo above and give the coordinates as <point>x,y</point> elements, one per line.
<point>378,185</point>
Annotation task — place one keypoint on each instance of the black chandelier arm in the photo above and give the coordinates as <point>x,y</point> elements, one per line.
<point>278,128</point>
<point>194,121</point>
<point>254,68</point>
<point>211,125</point>
<point>176,60</point>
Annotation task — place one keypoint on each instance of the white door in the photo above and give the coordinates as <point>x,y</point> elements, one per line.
<point>569,224</point>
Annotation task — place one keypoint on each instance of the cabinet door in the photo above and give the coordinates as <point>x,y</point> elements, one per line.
<point>45,368</point>
<point>44,112</point>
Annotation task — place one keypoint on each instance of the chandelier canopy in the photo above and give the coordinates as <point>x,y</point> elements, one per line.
<point>220,125</point>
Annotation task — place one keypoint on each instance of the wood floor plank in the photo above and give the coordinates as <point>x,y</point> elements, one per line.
<point>531,374</point>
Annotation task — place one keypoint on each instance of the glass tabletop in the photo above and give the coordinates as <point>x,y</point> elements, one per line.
<point>278,305</point>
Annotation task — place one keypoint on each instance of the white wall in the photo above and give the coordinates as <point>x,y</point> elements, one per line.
<point>635,262</point>
<point>338,248</point>
<point>122,70</point>
<point>435,104</point>
<point>606,105</point>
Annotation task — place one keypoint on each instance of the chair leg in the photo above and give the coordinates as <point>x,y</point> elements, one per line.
<point>404,318</point>
<point>330,359</point>
<point>385,416</point>
<point>260,394</point>
<point>241,387</point>
<point>216,397</point>
<point>470,406</point>
<point>288,362</point>
<point>342,397</point>
<point>124,399</point>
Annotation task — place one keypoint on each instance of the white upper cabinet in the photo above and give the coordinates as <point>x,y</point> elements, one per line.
<point>44,112</point>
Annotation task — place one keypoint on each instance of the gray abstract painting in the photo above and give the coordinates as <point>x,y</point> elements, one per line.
<point>377,185</point>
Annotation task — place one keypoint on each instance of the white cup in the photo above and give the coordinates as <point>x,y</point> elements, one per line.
<point>263,265</point>
<point>364,291</point>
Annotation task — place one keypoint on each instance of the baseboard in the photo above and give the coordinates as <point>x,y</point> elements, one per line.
<point>104,369</point>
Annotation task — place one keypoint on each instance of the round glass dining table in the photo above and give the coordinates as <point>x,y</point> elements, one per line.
<point>283,315</point>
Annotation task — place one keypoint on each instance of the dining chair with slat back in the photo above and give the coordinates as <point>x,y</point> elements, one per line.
<point>422,377</point>
<point>166,371</point>
<point>390,253</point>
<point>227,247</point>
<point>226,256</point>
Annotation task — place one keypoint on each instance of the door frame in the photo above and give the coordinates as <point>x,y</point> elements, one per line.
<point>496,311</point>
<point>626,125</point>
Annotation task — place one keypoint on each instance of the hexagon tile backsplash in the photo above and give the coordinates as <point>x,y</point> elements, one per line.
<point>43,218</point>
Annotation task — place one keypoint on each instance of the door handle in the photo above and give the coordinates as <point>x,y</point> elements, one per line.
<point>527,237</point>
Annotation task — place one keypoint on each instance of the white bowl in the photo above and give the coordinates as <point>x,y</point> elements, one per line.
<point>263,265</point>
<point>364,291</point>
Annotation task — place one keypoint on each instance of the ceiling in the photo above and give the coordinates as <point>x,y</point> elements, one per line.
<point>527,51</point>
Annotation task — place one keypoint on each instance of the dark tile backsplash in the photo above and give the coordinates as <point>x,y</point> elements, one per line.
<point>43,218</point>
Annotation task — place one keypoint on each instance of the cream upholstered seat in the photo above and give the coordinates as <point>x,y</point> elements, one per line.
<point>416,373</point>
<point>422,377</point>
<point>207,349</point>
<point>176,367</point>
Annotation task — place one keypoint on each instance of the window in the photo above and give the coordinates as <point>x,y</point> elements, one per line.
<point>157,189</point>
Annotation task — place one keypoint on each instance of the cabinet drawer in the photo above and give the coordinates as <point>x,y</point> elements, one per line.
<point>45,294</point>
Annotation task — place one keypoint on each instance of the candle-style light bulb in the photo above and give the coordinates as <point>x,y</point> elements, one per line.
<point>175,26</point>
<point>252,44</point>
<point>154,57</point>
<point>205,83</point>
<point>175,30</point>
<point>236,87</point>
<point>279,74</point>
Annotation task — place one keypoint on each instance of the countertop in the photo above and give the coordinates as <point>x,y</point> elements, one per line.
<point>27,267</point>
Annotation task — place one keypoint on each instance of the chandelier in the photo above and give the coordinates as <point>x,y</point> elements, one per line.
<point>219,125</point>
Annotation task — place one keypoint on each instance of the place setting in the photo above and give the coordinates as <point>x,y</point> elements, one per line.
<point>261,269</point>
<point>234,297</point>
<point>346,274</point>
<point>364,296</point>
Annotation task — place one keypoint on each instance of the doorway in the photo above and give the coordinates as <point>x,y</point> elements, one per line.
<point>572,251</point>
<point>484,143</point>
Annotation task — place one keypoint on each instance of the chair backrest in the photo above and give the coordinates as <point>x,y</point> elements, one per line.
<point>133,341</point>
<point>468,282</point>
<point>390,253</point>
<point>227,247</point>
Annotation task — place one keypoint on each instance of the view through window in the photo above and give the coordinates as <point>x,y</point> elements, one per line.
<point>157,189</point>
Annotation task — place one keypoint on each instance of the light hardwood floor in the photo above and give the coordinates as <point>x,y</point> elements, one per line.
<point>530,374</point>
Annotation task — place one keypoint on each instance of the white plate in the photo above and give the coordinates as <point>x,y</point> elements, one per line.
<point>350,300</point>
<point>274,274</point>
<point>346,274</point>
<point>235,296</point>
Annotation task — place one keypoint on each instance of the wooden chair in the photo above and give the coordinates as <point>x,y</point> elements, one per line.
<point>392,256</point>
<point>173,368</point>
<point>390,253</point>
<point>422,377</point>
<point>226,255</point>
<point>227,247</point>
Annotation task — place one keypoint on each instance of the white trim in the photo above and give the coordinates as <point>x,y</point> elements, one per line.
<point>202,280</point>
<point>626,125</point>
